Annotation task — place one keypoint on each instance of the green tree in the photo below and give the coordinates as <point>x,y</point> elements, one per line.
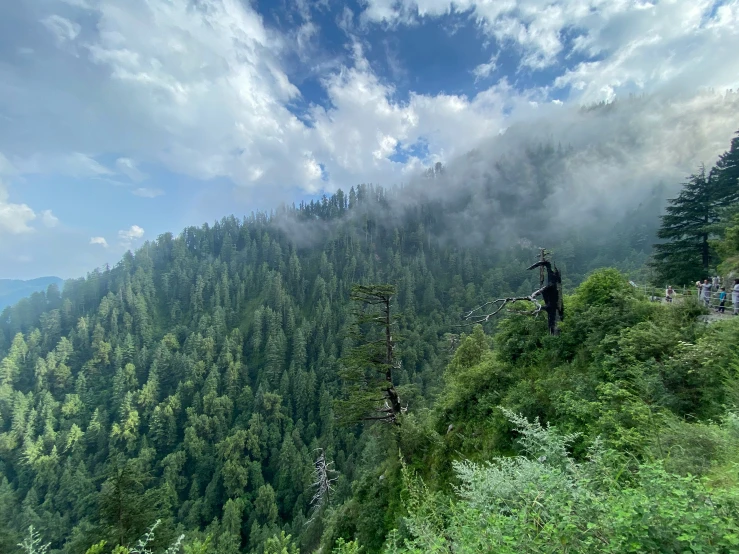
<point>726,172</point>
<point>125,508</point>
<point>686,253</point>
<point>368,369</point>
<point>280,544</point>
<point>728,245</point>
<point>690,221</point>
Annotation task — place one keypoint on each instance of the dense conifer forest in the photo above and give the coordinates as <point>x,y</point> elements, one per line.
<point>192,398</point>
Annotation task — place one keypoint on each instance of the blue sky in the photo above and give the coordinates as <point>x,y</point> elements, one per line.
<point>122,120</point>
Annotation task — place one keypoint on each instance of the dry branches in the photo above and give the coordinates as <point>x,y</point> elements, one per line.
<point>551,296</point>
<point>501,303</point>
<point>323,483</point>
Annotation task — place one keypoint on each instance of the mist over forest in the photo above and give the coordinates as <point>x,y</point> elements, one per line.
<point>599,171</point>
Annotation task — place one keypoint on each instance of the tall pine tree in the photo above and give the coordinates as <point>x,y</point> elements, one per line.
<point>726,173</point>
<point>686,253</point>
<point>368,370</point>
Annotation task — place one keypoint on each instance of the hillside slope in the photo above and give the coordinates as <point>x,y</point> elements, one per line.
<point>194,381</point>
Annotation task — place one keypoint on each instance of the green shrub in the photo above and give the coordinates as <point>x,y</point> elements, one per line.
<point>546,502</point>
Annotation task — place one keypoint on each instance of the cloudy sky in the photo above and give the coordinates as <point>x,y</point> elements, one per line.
<point>123,119</point>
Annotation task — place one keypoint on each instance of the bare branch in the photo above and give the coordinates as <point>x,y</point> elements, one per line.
<point>501,303</point>
<point>142,547</point>
<point>32,543</point>
<point>323,483</point>
<point>550,291</point>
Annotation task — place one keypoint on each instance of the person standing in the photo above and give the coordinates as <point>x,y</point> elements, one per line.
<point>735,297</point>
<point>706,292</point>
<point>722,300</point>
<point>669,293</point>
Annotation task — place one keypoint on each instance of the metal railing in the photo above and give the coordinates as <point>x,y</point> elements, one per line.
<point>660,295</point>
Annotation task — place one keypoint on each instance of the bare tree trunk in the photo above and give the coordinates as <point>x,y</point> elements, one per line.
<point>551,294</point>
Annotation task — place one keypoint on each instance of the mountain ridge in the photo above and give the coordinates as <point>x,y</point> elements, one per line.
<point>13,290</point>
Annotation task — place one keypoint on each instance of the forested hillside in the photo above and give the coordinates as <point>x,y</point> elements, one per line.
<point>196,383</point>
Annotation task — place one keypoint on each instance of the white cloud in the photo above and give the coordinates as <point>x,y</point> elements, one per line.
<point>129,168</point>
<point>364,126</point>
<point>49,219</point>
<point>148,192</point>
<point>203,82</point>
<point>345,21</point>
<point>673,46</point>
<point>14,218</point>
<point>79,3</point>
<point>205,95</point>
<point>202,88</point>
<point>82,165</point>
<point>6,168</point>
<point>73,164</point>
<point>127,236</point>
<point>484,70</point>
<point>639,43</point>
<point>99,240</point>
<point>62,28</point>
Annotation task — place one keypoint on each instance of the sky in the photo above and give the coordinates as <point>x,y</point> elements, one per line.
<point>122,120</point>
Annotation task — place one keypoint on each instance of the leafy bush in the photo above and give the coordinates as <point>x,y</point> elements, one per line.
<point>603,287</point>
<point>545,501</point>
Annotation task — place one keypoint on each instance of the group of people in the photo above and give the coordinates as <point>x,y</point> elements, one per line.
<point>707,288</point>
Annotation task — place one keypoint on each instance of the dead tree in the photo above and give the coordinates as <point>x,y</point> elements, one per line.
<point>368,371</point>
<point>323,482</point>
<point>550,291</point>
<point>32,543</point>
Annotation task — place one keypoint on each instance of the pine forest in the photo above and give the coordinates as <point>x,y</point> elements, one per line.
<point>306,380</point>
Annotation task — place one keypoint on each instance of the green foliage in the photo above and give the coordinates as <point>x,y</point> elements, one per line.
<point>198,546</point>
<point>693,220</point>
<point>343,547</point>
<point>687,255</point>
<point>367,372</point>
<point>727,246</point>
<point>125,506</point>
<point>97,548</point>
<point>281,544</point>
<point>545,501</point>
<point>470,351</point>
<point>699,448</point>
<point>623,369</point>
<point>604,287</point>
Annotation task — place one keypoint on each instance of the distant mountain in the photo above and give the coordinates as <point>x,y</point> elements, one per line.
<point>12,290</point>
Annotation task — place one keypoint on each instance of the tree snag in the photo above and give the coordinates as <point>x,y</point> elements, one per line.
<point>323,483</point>
<point>550,291</point>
